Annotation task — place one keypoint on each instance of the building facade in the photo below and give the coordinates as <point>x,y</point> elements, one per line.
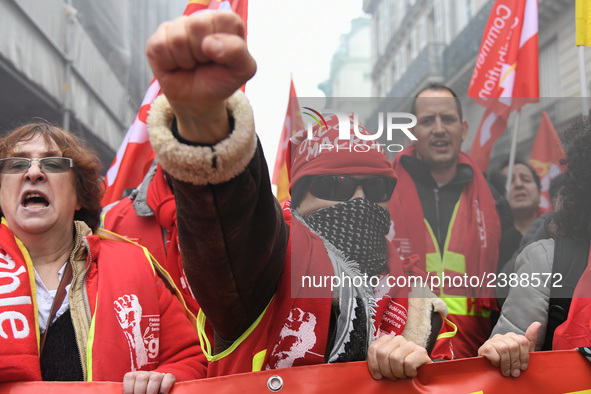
<point>350,74</point>
<point>78,63</point>
<point>415,42</point>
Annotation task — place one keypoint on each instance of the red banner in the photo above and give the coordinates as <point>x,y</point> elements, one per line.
<point>548,372</point>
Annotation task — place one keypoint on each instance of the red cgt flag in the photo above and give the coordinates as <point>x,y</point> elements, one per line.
<point>506,73</point>
<point>545,158</point>
<point>491,128</point>
<point>293,123</point>
<point>507,64</point>
<point>135,154</point>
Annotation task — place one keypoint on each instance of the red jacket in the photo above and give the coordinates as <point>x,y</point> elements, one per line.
<point>156,230</point>
<point>471,249</point>
<point>124,317</point>
<point>576,330</point>
<point>295,328</point>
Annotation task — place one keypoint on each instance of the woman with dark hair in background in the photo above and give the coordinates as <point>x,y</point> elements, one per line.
<point>524,194</point>
<point>554,312</point>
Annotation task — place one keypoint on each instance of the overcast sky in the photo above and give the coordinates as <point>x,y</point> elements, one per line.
<point>291,38</point>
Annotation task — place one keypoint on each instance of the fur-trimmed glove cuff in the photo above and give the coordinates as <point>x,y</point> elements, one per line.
<point>201,165</point>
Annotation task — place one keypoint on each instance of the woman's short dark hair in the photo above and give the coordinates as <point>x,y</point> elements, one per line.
<point>573,217</point>
<point>86,164</point>
<point>534,174</point>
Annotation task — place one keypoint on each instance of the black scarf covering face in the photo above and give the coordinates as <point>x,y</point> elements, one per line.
<point>358,229</point>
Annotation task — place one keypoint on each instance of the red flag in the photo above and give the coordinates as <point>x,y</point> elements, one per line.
<point>196,5</point>
<point>506,73</point>
<point>135,154</point>
<point>545,158</point>
<point>238,6</point>
<point>507,64</point>
<point>293,123</point>
<point>491,128</point>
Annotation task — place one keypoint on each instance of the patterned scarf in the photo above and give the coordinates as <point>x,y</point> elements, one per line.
<point>353,233</point>
<point>358,229</point>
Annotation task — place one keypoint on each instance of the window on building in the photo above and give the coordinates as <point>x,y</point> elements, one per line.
<point>400,11</point>
<point>403,60</point>
<point>394,18</point>
<point>549,70</point>
<point>385,26</point>
<point>400,63</point>
<point>471,8</point>
<point>462,14</point>
<point>438,33</point>
<point>423,31</point>
<point>413,44</point>
<point>449,8</point>
<point>375,36</point>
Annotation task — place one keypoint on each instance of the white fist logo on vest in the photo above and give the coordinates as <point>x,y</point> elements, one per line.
<point>141,332</point>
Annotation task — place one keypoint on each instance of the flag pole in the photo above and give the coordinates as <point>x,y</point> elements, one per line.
<point>512,154</point>
<point>583,79</point>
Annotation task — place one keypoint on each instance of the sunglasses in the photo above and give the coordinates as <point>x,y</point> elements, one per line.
<point>20,165</point>
<point>342,187</point>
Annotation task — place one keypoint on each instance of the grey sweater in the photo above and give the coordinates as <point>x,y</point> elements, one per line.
<point>527,304</point>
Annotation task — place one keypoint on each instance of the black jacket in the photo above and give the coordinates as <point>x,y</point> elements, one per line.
<point>438,203</point>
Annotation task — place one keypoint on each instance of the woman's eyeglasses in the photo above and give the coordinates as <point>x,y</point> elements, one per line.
<point>342,187</point>
<point>20,165</point>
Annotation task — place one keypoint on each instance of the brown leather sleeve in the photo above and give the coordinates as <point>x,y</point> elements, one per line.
<point>233,239</point>
<point>436,324</point>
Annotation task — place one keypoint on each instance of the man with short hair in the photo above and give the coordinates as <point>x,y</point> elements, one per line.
<point>443,210</point>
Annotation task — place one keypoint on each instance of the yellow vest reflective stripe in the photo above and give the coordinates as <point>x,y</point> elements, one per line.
<point>90,345</point>
<point>459,306</point>
<point>448,334</point>
<point>258,359</point>
<point>206,345</point>
<point>437,263</point>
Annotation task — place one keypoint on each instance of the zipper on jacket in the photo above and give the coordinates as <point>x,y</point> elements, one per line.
<point>84,292</point>
<point>84,297</point>
<point>436,193</point>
